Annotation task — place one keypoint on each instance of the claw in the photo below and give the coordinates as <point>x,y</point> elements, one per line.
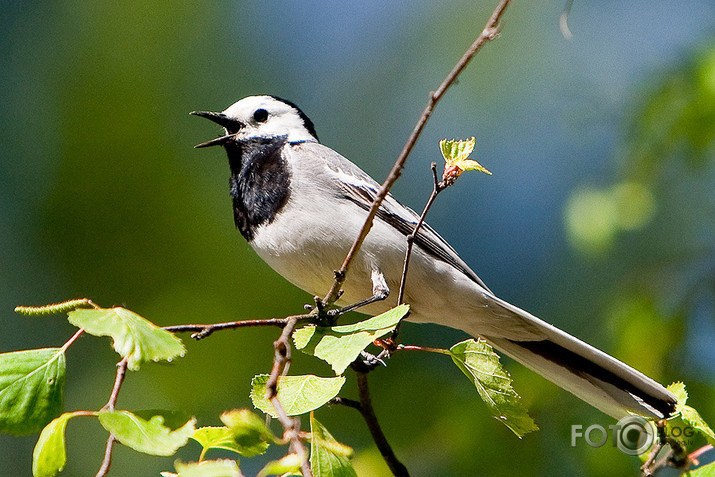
<point>372,360</point>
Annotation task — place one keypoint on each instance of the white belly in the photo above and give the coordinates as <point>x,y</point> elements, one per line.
<point>307,256</point>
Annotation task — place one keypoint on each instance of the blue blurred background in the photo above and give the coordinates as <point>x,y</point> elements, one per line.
<point>600,215</point>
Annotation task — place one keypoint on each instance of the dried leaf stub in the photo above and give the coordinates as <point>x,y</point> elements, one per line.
<point>456,156</point>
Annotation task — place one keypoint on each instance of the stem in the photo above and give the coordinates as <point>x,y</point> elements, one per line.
<point>202,331</point>
<point>107,462</point>
<point>84,413</point>
<point>423,348</point>
<point>281,363</point>
<point>696,454</point>
<point>489,33</point>
<point>436,189</point>
<point>71,340</point>
<point>118,381</point>
<point>121,374</point>
<point>346,402</point>
<point>281,357</point>
<point>368,413</point>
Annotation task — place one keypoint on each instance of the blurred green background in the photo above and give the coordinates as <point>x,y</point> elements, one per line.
<point>600,215</point>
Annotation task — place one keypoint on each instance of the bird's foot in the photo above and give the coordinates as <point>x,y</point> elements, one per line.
<point>368,361</point>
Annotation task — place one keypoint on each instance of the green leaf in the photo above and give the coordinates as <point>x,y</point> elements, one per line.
<point>681,395</point>
<point>328,457</point>
<point>134,337</point>
<point>208,468</point>
<point>297,394</point>
<point>31,385</point>
<point>341,345</point>
<point>689,417</point>
<point>215,438</point>
<point>149,437</point>
<point>481,365</point>
<point>704,471</point>
<point>456,155</point>
<point>249,431</point>
<point>455,150</point>
<point>289,464</point>
<point>246,434</point>
<point>172,419</point>
<point>50,454</point>
<point>693,419</point>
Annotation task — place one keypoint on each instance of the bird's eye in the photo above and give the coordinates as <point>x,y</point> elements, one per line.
<point>260,115</point>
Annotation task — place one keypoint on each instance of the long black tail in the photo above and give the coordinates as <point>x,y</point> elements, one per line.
<point>587,372</point>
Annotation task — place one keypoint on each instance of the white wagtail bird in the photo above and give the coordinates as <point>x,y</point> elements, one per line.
<point>300,205</point>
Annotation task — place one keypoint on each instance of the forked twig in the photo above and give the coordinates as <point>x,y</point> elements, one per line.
<point>118,381</point>
<point>281,363</point>
<point>490,32</point>
<point>436,189</point>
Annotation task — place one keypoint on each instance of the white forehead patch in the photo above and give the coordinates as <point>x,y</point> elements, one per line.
<point>283,119</point>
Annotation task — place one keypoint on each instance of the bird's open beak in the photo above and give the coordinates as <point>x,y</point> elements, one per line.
<point>231,125</point>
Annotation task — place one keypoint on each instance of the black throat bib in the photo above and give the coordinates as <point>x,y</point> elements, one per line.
<point>259,182</point>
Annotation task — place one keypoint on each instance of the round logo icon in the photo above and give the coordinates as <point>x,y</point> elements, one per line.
<point>634,435</point>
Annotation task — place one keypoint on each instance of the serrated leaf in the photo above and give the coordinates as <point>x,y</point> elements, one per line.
<point>707,470</point>
<point>328,457</point>
<point>287,465</point>
<point>693,419</point>
<point>478,361</point>
<point>50,454</point>
<point>456,153</point>
<point>207,468</point>
<point>341,345</point>
<point>681,395</point>
<point>297,394</point>
<point>31,387</point>
<point>149,437</point>
<point>250,431</point>
<point>135,337</point>
<point>689,417</point>
<point>456,150</point>
<point>470,165</point>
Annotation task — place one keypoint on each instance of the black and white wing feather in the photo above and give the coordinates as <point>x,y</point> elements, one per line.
<point>359,188</point>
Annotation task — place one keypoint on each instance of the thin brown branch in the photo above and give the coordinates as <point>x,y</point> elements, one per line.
<point>368,413</point>
<point>107,462</point>
<point>694,456</point>
<point>281,363</point>
<point>292,435</point>
<point>72,339</point>
<point>282,356</point>
<point>202,331</point>
<point>364,407</point>
<point>436,189</point>
<point>341,401</point>
<point>676,455</point>
<point>490,32</point>
<point>421,348</point>
<point>118,381</point>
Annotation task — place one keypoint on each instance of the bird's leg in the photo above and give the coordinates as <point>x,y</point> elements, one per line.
<point>317,310</point>
<point>367,362</point>
<point>380,291</point>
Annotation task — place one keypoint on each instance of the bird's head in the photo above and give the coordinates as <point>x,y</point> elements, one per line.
<point>260,117</point>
